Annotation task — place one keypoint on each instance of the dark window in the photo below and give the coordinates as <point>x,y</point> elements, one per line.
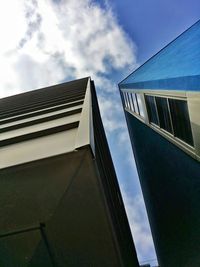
<point>151,109</point>
<point>171,115</point>
<point>164,114</point>
<point>181,120</point>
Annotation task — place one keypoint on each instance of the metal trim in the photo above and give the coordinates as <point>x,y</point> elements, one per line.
<point>173,93</point>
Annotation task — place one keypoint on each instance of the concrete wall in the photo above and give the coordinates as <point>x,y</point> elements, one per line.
<point>64,193</point>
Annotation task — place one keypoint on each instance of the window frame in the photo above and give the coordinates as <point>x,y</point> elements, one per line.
<point>190,126</point>
<point>194,150</point>
<point>159,115</point>
<point>167,97</point>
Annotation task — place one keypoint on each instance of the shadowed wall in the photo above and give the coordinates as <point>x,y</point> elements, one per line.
<point>170,182</point>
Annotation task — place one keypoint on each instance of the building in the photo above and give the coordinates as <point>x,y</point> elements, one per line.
<point>161,100</point>
<point>59,197</point>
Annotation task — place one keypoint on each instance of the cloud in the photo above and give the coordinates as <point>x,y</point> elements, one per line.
<point>33,20</point>
<point>46,42</point>
<point>139,226</point>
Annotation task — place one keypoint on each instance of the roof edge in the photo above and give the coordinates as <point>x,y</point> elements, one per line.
<point>160,51</point>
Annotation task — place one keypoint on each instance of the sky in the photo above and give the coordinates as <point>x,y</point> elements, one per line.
<point>52,41</point>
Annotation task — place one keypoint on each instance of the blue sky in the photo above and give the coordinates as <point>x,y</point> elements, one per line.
<point>51,41</point>
<point>152,24</point>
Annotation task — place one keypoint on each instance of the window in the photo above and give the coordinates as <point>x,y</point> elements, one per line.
<point>125,100</point>
<point>164,114</point>
<point>135,103</point>
<point>170,115</point>
<point>151,109</point>
<point>181,120</point>
<point>132,102</point>
<point>140,104</point>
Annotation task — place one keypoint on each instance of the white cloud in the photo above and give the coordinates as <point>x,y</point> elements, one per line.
<point>46,42</point>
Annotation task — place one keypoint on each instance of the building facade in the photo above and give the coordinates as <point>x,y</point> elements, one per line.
<point>161,101</point>
<point>59,197</point>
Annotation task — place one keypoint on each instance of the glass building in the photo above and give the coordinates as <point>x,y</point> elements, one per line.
<point>161,101</point>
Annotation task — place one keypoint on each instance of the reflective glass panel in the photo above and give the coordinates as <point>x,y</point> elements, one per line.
<point>130,101</point>
<point>135,103</point>
<point>125,101</point>
<point>163,114</point>
<point>181,120</point>
<point>140,104</point>
<point>151,109</point>
<point>131,95</point>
